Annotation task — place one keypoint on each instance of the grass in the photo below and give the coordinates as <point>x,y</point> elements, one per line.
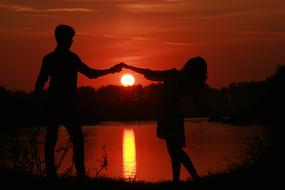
<point>258,175</point>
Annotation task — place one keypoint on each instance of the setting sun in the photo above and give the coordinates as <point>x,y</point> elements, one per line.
<point>127,80</point>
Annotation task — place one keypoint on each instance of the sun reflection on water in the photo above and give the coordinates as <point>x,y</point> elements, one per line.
<point>129,154</point>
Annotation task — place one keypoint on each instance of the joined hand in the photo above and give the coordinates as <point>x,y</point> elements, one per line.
<point>117,68</point>
<point>124,65</point>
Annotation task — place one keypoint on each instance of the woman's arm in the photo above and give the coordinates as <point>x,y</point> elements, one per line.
<point>136,69</point>
<point>150,74</point>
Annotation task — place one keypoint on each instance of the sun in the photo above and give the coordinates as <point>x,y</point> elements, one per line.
<point>127,80</point>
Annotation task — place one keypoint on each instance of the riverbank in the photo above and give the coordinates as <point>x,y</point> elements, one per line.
<point>266,172</point>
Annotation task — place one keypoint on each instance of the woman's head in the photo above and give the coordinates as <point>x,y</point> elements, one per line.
<point>196,69</point>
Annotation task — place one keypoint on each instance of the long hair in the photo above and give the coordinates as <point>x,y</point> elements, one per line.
<point>196,69</point>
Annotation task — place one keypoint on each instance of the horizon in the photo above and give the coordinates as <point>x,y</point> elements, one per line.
<point>138,84</point>
<point>241,41</point>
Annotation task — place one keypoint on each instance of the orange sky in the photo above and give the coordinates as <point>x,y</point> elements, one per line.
<point>241,40</point>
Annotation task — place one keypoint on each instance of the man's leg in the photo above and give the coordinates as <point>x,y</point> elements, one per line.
<point>77,139</point>
<point>51,138</point>
<point>187,162</point>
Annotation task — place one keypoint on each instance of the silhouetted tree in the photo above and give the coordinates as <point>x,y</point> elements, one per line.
<point>254,101</point>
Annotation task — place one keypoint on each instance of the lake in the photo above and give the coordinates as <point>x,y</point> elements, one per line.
<point>134,151</point>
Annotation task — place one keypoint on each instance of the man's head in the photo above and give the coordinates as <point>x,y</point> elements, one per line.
<point>64,35</point>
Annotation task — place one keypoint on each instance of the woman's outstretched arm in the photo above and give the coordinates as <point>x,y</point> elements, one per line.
<point>150,74</point>
<point>136,69</point>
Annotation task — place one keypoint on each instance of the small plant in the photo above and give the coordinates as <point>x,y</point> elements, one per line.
<point>103,163</point>
<point>21,154</point>
<point>131,179</point>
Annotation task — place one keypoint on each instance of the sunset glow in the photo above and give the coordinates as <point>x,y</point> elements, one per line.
<point>129,154</point>
<point>127,80</point>
<point>241,40</point>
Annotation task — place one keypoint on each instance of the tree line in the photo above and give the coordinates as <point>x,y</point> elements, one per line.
<point>254,101</point>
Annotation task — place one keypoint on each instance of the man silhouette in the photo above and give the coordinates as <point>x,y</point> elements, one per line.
<point>61,67</point>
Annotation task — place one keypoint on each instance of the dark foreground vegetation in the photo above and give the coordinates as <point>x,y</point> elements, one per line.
<point>255,176</point>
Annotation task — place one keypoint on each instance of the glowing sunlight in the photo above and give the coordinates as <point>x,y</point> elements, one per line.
<point>129,154</point>
<point>127,80</point>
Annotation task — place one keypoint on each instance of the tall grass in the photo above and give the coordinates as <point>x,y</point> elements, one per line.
<point>23,153</point>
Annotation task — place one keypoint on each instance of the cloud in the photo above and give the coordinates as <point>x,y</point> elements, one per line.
<point>264,35</point>
<point>153,7</point>
<point>24,8</point>
<point>226,14</point>
<point>177,43</point>
<point>130,58</point>
<point>22,31</point>
<point>263,32</point>
<point>193,8</point>
<point>99,1</point>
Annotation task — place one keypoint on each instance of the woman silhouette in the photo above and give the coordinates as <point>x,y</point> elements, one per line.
<point>190,80</point>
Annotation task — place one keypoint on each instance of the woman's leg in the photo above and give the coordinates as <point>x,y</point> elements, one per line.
<point>175,160</point>
<point>178,156</point>
<point>187,162</point>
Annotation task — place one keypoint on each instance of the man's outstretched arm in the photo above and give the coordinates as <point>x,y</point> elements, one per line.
<point>95,73</point>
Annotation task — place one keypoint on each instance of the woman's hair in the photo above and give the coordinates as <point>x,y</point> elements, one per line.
<point>196,69</point>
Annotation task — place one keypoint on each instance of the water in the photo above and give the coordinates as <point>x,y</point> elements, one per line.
<point>134,151</point>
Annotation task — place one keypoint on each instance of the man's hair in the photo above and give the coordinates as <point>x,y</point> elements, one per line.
<point>63,32</point>
<point>196,69</point>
